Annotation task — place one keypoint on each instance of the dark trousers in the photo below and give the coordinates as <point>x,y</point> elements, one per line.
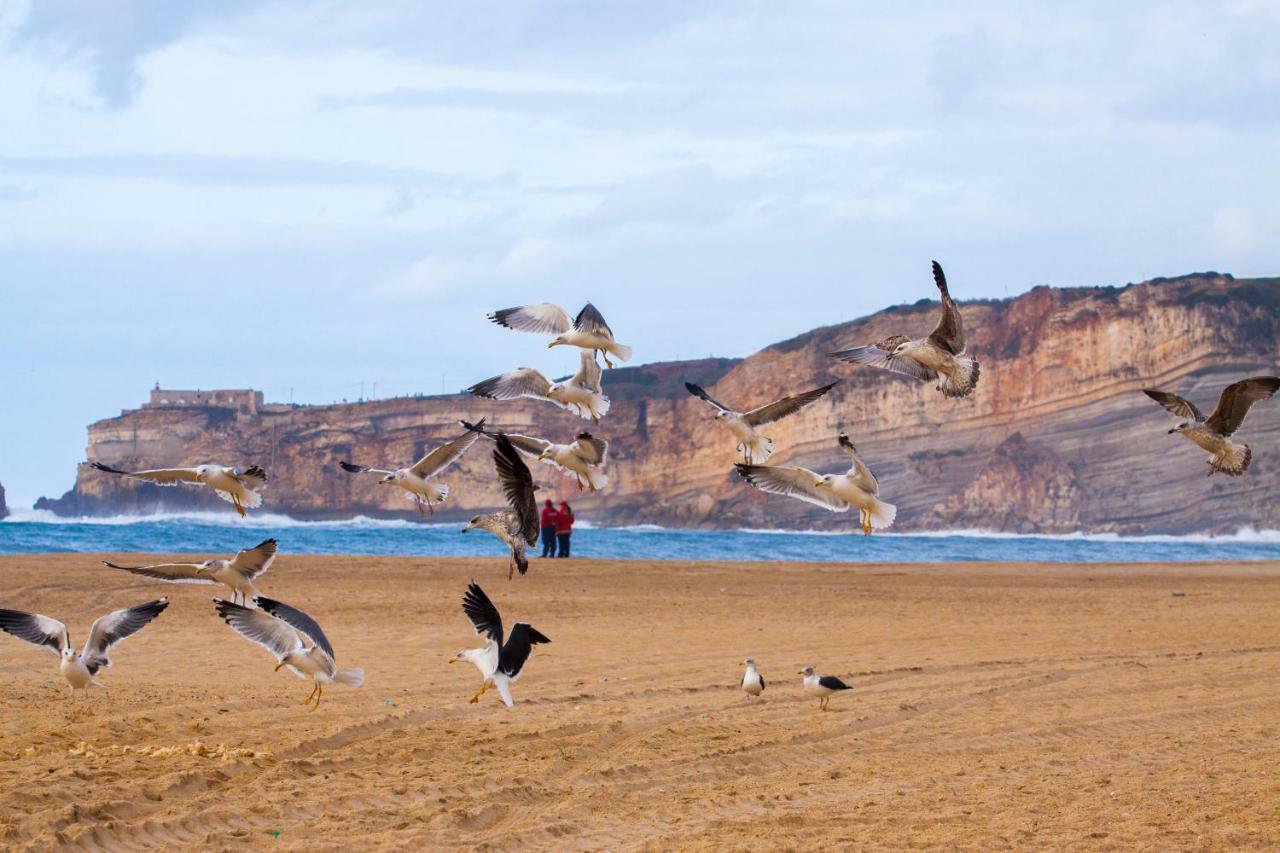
<point>549,540</point>
<point>564,544</point>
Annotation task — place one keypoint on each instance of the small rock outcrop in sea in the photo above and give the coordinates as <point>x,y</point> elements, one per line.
<point>4,510</point>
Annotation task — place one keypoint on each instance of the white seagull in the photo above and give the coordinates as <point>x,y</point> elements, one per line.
<point>415,479</point>
<point>835,492</point>
<point>518,526</point>
<point>79,669</point>
<point>581,393</point>
<point>822,685</point>
<point>500,663</point>
<point>279,629</point>
<point>1211,434</point>
<point>580,459</point>
<point>242,488</point>
<point>752,680</point>
<point>588,331</point>
<point>237,573</point>
<point>753,446</point>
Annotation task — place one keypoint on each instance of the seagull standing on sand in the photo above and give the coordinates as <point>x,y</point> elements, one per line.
<point>241,488</point>
<point>835,492</point>
<point>940,356</point>
<point>414,480</point>
<point>588,331</point>
<point>499,663</point>
<point>753,446</point>
<point>822,685</point>
<point>752,680</point>
<point>1211,433</point>
<point>79,669</point>
<point>518,526</point>
<point>279,629</point>
<point>581,394</point>
<point>580,459</point>
<point>238,573</point>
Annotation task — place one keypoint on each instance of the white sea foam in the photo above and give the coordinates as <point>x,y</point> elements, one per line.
<point>260,519</point>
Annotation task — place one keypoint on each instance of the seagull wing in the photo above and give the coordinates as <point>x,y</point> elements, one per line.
<point>1235,401</point>
<point>543,319</point>
<point>159,476</point>
<point>36,629</point>
<point>592,321</point>
<point>793,482</point>
<point>1175,404</point>
<point>170,572</point>
<point>528,444</point>
<point>524,382</point>
<point>518,648</point>
<point>880,354</point>
<point>589,373</point>
<point>114,627</point>
<point>697,391</point>
<point>255,561</point>
<point>361,469</point>
<point>295,618</point>
<point>483,615</point>
<point>786,406</point>
<point>517,485</point>
<point>260,627</point>
<point>444,455</point>
<point>862,475</point>
<point>590,449</point>
<point>949,333</point>
<point>253,477</point>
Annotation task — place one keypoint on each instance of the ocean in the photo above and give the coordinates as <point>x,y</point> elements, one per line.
<point>32,532</point>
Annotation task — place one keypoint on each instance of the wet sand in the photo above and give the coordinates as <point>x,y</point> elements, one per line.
<point>1101,707</point>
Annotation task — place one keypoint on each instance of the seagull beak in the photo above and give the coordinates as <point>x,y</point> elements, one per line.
<point>277,669</point>
<point>550,345</point>
<point>453,660</point>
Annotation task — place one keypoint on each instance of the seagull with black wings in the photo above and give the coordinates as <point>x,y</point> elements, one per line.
<point>587,331</point>
<point>500,663</point>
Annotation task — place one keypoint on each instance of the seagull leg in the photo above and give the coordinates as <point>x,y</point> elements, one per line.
<point>511,567</point>
<point>483,688</point>
<point>607,362</point>
<point>319,693</point>
<point>420,512</point>
<point>239,508</point>
<point>314,688</point>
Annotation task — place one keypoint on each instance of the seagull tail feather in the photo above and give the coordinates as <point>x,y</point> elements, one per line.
<point>349,677</point>
<point>1235,461</point>
<point>621,351</point>
<point>522,562</point>
<point>882,514</point>
<point>962,384</point>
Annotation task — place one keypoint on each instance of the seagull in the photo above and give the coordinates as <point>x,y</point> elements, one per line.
<point>580,459</point>
<point>581,393</point>
<point>939,356</point>
<point>753,446</point>
<point>79,669</point>
<point>241,488</point>
<point>518,526</point>
<point>279,629</point>
<point>588,331</point>
<point>414,479</point>
<point>238,573</point>
<point>823,685</point>
<point>752,680</point>
<point>1211,433</point>
<point>836,492</point>
<point>500,663</point>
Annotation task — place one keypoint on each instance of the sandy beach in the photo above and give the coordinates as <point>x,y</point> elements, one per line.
<point>1103,707</point>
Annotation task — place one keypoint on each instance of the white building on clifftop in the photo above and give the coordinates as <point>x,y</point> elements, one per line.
<point>244,400</point>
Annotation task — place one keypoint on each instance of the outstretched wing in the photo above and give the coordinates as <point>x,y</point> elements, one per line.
<point>518,647</point>
<point>36,629</point>
<point>1235,401</point>
<point>862,475</point>
<point>880,354</point>
<point>949,333</point>
<point>159,476</point>
<point>1175,404</point>
<point>591,321</point>
<point>295,618</point>
<point>255,561</point>
<point>252,477</point>
<point>524,382</point>
<point>114,627</point>
<point>524,443</point>
<point>697,391</point>
<point>361,469</point>
<point>589,448</point>
<point>589,373</point>
<point>483,615</point>
<point>517,485</point>
<point>259,627</point>
<point>544,319</point>
<point>795,483</point>
<point>169,572</point>
<point>786,406</point>
<point>446,454</point>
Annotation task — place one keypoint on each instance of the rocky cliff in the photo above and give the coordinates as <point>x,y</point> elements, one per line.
<point>1056,438</point>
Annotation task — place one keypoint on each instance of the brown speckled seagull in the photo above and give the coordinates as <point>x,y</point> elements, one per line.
<point>1212,433</point>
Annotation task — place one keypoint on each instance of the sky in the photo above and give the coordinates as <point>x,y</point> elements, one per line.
<point>312,197</point>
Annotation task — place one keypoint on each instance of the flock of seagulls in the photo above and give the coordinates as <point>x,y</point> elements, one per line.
<point>297,641</point>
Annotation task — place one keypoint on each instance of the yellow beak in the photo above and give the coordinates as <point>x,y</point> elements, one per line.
<point>277,669</point>
<point>550,345</point>
<point>453,660</point>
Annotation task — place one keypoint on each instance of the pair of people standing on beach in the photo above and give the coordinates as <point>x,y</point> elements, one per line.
<point>557,528</point>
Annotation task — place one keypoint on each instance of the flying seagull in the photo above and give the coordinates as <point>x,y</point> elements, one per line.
<point>822,685</point>
<point>753,446</point>
<point>500,663</point>
<point>580,459</point>
<point>939,356</point>
<point>836,492</point>
<point>518,526</point>
<point>588,331</point>
<point>242,488</point>
<point>1211,433</point>
<point>752,680</point>
<point>238,573</point>
<point>79,669</point>
<point>279,629</point>
<point>415,479</point>
<point>581,393</point>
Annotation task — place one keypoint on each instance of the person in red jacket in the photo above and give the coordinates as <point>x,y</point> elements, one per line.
<point>549,516</point>
<point>564,527</point>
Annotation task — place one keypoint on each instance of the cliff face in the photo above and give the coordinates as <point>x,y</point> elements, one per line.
<point>1056,438</point>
